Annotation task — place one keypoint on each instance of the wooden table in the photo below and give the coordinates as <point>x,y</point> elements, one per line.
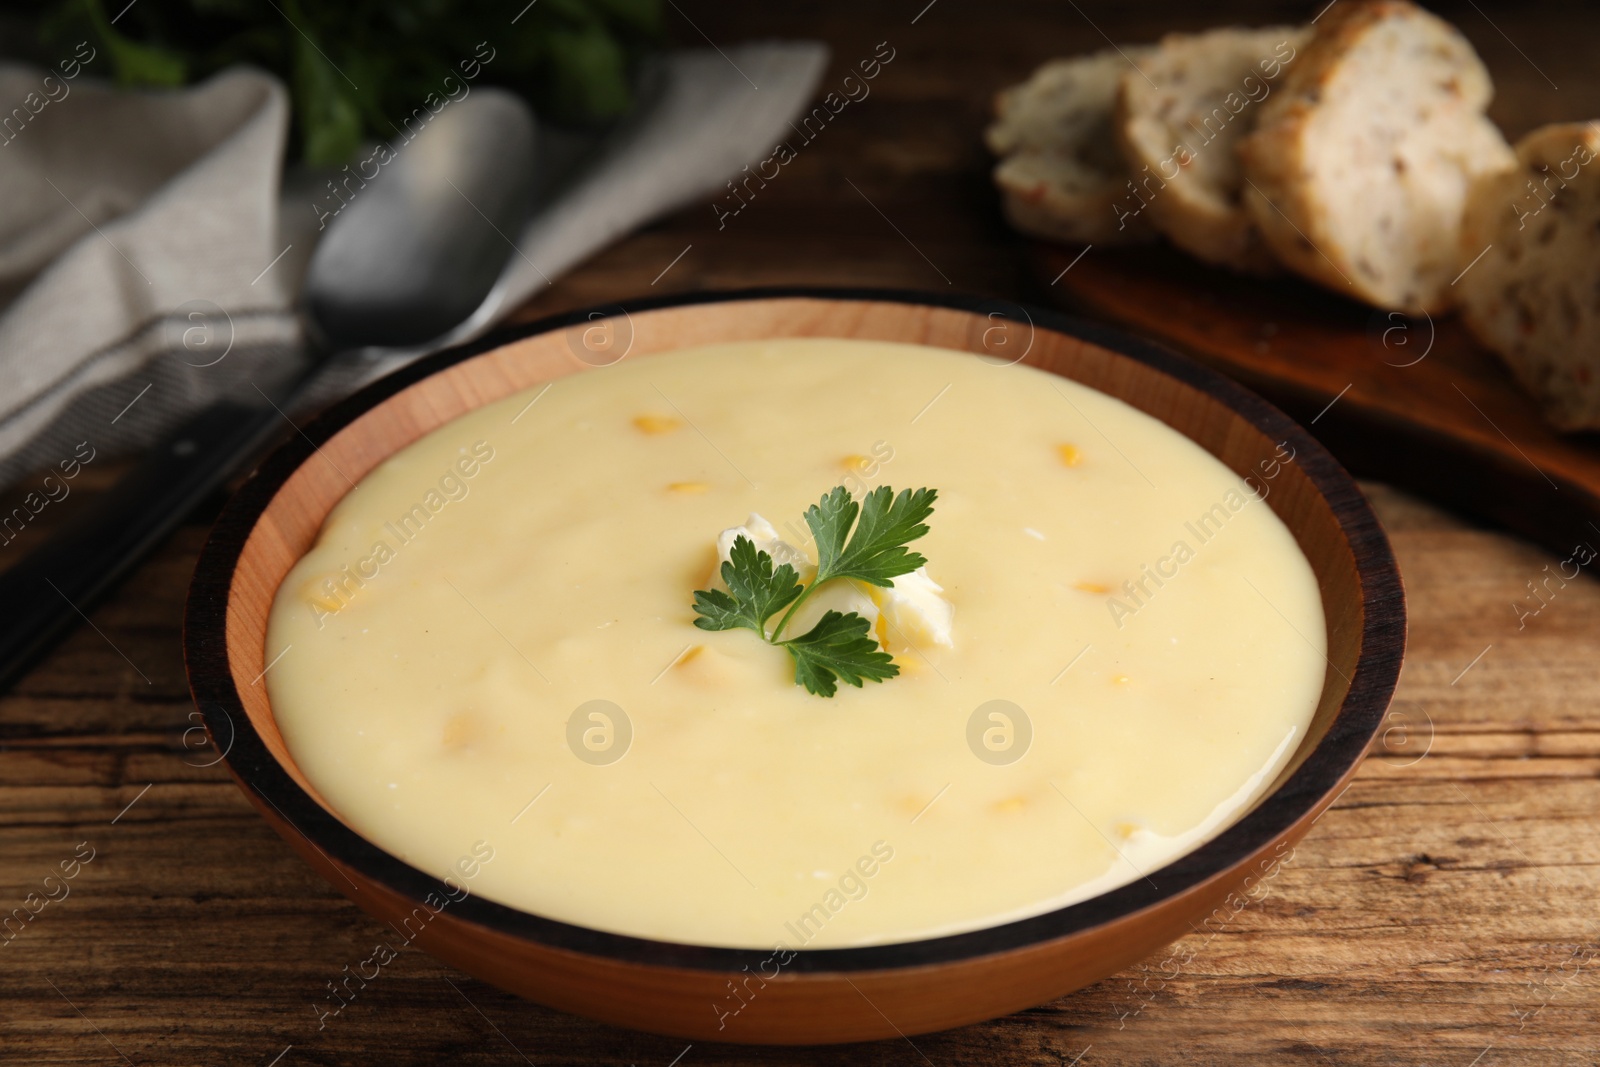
<point>1443,912</point>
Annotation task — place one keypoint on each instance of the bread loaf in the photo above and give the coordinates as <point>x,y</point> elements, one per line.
<point>1060,174</point>
<point>1358,170</point>
<point>1531,290</point>
<point>1181,110</point>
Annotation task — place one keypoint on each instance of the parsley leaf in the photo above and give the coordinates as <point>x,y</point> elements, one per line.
<point>755,591</point>
<point>838,646</point>
<point>876,553</point>
<point>830,519</point>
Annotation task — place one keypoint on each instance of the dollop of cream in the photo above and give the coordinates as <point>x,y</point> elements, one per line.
<point>766,539</point>
<point>916,611</point>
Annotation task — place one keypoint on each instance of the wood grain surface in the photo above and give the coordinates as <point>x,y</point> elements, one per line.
<point>1442,913</point>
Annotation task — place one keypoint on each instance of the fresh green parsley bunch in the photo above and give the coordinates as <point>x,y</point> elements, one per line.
<point>357,67</point>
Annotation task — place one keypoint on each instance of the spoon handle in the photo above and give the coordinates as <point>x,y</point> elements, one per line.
<point>47,592</point>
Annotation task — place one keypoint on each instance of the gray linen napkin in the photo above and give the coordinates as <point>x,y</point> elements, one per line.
<point>121,216</point>
<point>148,267</point>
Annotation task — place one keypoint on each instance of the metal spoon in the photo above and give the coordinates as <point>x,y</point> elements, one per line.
<point>417,251</point>
<point>414,253</point>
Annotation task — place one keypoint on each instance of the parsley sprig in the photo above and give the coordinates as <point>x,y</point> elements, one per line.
<point>837,647</point>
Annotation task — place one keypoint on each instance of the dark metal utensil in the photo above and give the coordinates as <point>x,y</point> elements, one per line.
<point>404,265</point>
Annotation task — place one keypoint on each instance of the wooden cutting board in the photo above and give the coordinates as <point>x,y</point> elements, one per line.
<point>1412,401</point>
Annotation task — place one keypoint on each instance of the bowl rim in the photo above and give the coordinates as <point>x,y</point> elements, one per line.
<point>1333,759</point>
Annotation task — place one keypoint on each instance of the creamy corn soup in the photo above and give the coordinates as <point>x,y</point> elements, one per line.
<point>1113,648</point>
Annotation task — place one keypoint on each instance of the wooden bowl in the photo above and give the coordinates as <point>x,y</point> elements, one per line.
<point>828,995</point>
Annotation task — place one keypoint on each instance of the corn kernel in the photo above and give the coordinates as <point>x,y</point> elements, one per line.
<point>1069,455</point>
<point>1097,588</point>
<point>317,595</point>
<point>688,487</point>
<point>462,728</point>
<point>656,424</point>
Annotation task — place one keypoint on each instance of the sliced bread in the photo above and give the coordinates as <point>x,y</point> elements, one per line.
<point>1180,111</point>
<point>1059,174</point>
<point>1531,290</point>
<point>1358,170</point>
